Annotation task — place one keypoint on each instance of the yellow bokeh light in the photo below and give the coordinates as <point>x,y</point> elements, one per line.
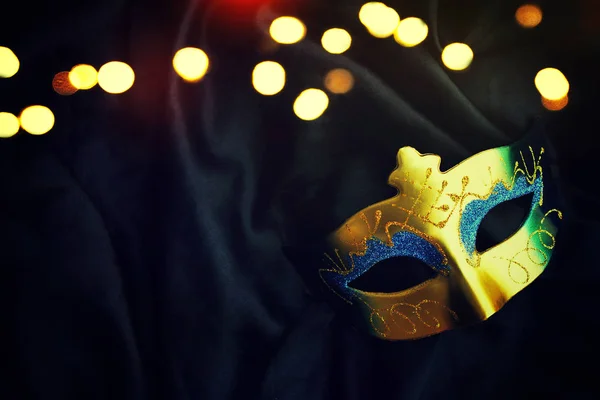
<point>529,15</point>
<point>311,104</point>
<point>268,78</point>
<point>370,11</point>
<point>287,30</point>
<point>9,125</point>
<point>191,63</point>
<point>336,40</point>
<point>552,84</point>
<point>116,77</point>
<point>339,81</point>
<point>411,31</point>
<point>380,20</point>
<point>555,105</point>
<point>9,63</point>
<point>457,56</point>
<point>37,120</point>
<point>83,77</point>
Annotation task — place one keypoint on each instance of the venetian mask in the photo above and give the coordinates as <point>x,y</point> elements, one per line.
<point>435,218</point>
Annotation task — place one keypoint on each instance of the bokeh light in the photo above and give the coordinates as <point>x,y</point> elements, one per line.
<point>62,84</point>
<point>339,81</point>
<point>9,63</point>
<point>268,78</point>
<point>287,30</point>
<point>555,105</point>
<point>529,15</point>
<point>552,84</point>
<point>116,77</point>
<point>369,13</point>
<point>83,77</point>
<point>37,120</point>
<point>9,125</point>
<point>457,56</point>
<point>380,20</point>
<point>191,63</point>
<point>411,31</point>
<point>311,104</point>
<point>336,40</point>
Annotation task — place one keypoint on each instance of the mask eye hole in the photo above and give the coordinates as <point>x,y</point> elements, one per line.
<point>502,221</point>
<point>393,275</point>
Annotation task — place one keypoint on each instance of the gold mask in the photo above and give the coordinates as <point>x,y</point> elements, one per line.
<point>435,218</point>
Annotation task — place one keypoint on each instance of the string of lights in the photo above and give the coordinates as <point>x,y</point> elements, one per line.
<point>268,77</point>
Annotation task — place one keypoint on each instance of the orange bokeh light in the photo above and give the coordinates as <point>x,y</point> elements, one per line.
<point>555,105</point>
<point>339,81</point>
<point>62,85</point>
<point>529,15</point>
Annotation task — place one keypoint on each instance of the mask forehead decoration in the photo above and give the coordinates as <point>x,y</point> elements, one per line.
<point>435,218</point>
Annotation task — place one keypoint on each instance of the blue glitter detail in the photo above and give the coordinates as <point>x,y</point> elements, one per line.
<point>405,244</point>
<point>476,210</point>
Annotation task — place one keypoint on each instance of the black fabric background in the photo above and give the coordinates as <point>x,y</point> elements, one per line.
<point>141,239</point>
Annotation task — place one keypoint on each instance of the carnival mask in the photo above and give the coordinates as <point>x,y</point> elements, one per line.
<point>435,218</point>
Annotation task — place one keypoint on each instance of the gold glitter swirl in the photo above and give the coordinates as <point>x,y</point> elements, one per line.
<point>400,319</point>
<point>375,313</point>
<point>395,313</point>
<point>512,262</point>
<point>536,255</point>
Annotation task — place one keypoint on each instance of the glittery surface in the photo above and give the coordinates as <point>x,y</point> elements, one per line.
<point>475,211</point>
<point>405,244</point>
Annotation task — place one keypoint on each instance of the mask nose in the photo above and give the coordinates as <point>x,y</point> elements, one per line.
<point>484,293</point>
